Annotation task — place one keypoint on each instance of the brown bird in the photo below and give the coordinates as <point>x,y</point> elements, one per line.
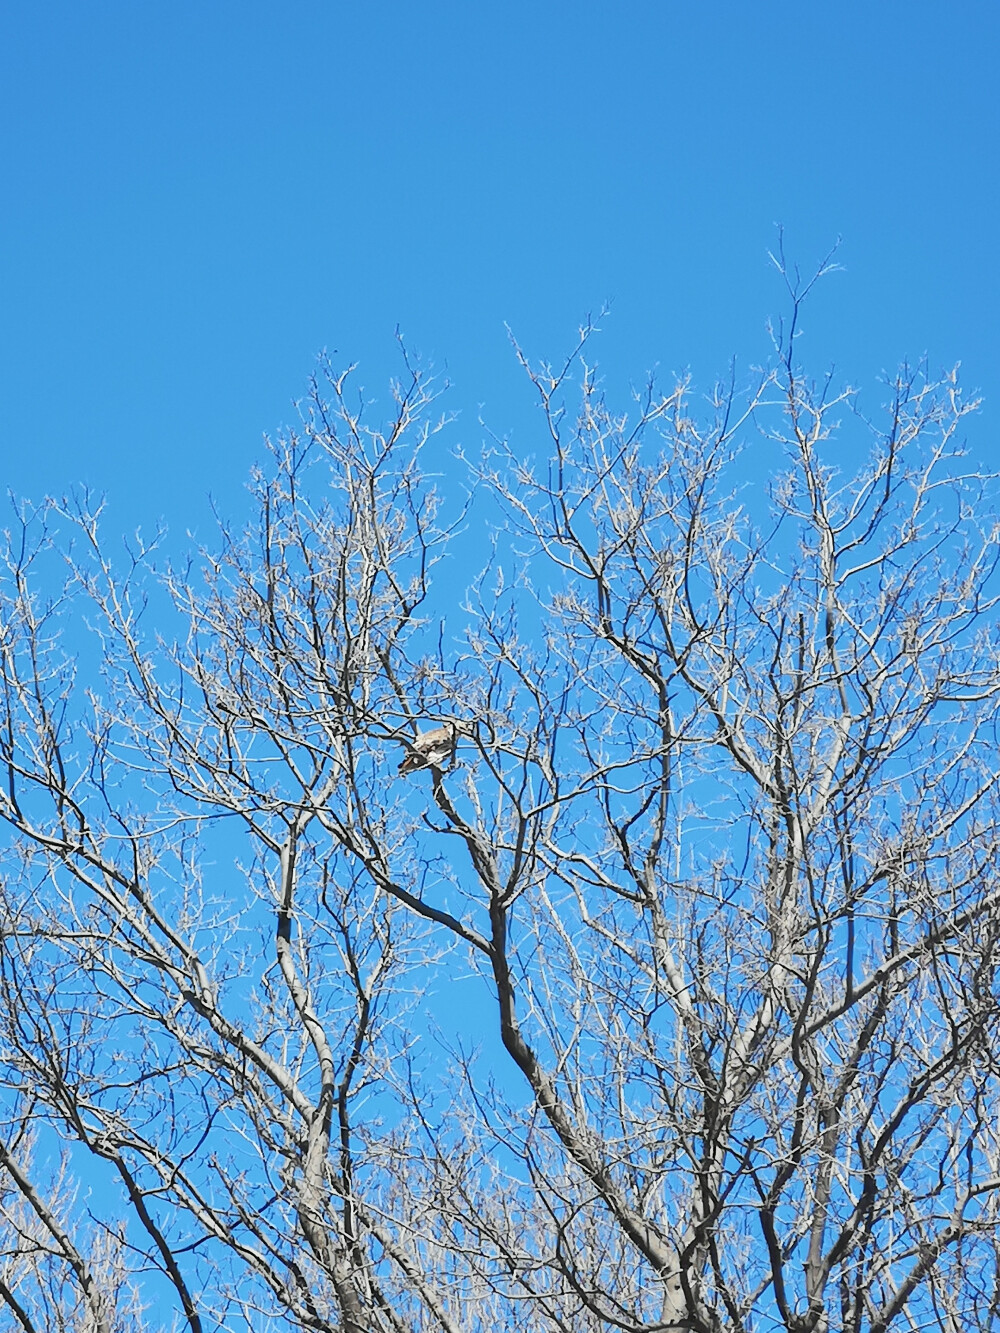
<point>430,749</point>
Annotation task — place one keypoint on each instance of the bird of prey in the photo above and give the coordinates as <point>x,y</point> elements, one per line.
<point>430,749</point>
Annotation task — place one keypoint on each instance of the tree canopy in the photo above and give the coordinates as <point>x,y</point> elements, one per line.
<point>662,997</point>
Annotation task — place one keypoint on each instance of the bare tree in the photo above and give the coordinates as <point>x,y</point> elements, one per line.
<point>657,992</point>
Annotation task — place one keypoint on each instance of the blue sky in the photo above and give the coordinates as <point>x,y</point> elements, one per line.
<point>198,197</point>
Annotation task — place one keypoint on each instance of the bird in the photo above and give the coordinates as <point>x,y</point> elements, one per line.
<point>430,749</point>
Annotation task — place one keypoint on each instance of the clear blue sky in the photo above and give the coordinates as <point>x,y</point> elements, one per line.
<point>198,197</point>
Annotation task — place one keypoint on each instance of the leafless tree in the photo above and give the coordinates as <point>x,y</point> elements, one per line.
<point>659,995</point>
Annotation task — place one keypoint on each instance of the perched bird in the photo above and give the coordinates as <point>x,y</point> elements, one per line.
<point>433,748</point>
